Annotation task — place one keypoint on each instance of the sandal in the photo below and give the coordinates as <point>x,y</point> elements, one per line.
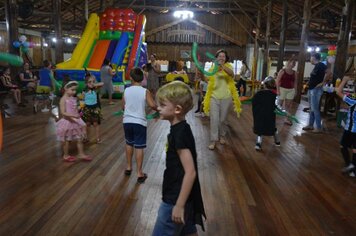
<point>211,146</point>
<point>222,141</point>
<point>142,179</point>
<point>128,172</point>
<point>69,159</point>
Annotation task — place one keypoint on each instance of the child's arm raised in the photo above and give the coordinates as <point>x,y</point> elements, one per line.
<point>186,159</point>
<point>150,100</point>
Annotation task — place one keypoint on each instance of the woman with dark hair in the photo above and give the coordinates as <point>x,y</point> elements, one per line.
<point>245,73</point>
<point>28,79</point>
<point>7,85</point>
<point>221,90</point>
<point>153,70</point>
<point>106,74</point>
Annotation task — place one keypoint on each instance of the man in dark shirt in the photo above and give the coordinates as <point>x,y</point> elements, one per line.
<point>315,91</point>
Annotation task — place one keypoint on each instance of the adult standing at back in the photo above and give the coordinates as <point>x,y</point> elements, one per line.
<point>27,78</point>
<point>245,73</point>
<point>315,85</point>
<point>286,83</point>
<point>106,74</point>
<point>221,90</point>
<point>153,71</point>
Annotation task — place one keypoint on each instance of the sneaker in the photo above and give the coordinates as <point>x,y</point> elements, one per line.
<point>45,110</point>
<point>347,168</point>
<point>308,127</point>
<point>258,147</point>
<point>278,144</point>
<point>352,173</point>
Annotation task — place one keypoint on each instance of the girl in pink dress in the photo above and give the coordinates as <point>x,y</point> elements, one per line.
<point>71,127</point>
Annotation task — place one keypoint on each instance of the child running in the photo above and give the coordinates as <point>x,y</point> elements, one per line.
<point>71,127</point>
<point>264,117</point>
<point>135,122</point>
<point>182,204</point>
<point>91,107</point>
<point>348,139</point>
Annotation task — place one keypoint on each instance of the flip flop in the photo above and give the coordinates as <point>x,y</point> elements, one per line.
<point>142,179</point>
<point>86,158</point>
<point>128,172</point>
<point>70,159</point>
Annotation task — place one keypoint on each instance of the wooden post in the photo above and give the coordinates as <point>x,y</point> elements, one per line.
<point>58,30</point>
<point>86,10</point>
<point>102,6</point>
<point>255,49</point>
<point>265,71</point>
<point>344,38</point>
<point>282,37</point>
<point>12,25</point>
<point>303,48</point>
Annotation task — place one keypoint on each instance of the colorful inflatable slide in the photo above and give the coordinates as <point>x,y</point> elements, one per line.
<point>117,35</point>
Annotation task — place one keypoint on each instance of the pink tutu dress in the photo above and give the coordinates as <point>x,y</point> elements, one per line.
<point>74,129</point>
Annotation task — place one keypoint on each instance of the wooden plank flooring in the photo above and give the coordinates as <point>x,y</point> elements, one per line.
<point>295,189</point>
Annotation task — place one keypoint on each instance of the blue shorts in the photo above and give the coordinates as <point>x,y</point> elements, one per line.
<point>135,135</point>
<point>166,227</point>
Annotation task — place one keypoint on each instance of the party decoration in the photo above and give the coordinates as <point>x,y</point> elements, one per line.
<point>199,65</point>
<point>13,60</point>
<point>286,114</point>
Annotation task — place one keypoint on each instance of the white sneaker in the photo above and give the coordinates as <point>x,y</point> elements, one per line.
<point>347,168</point>
<point>45,110</point>
<point>352,174</point>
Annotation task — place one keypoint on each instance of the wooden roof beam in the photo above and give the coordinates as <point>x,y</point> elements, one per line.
<point>217,32</point>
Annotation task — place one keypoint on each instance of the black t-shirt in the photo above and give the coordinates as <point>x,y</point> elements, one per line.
<point>317,75</point>
<point>181,137</point>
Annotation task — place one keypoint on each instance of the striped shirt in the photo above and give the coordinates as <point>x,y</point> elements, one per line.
<point>351,115</point>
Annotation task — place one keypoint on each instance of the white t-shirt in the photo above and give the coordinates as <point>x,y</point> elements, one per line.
<point>135,105</point>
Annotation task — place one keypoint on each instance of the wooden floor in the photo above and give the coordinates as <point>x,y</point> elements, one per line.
<point>295,189</point>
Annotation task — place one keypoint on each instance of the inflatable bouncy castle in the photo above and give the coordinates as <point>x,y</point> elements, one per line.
<point>116,35</point>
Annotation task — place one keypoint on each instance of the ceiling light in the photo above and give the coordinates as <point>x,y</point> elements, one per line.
<point>68,40</point>
<point>317,49</point>
<point>183,14</point>
<point>309,49</point>
<point>54,40</point>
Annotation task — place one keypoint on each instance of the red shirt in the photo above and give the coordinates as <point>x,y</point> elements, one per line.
<point>287,80</point>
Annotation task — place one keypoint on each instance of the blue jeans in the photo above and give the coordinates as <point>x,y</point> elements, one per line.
<point>314,96</point>
<point>166,227</point>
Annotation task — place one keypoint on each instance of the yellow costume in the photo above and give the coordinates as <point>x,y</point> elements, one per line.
<point>222,91</point>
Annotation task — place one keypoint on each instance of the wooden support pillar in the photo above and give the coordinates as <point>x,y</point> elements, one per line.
<point>256,48</point>
<point>102,5</point>
<point>58,29</point>
<point>265,71</point>
<point>86,10</point>
<point>303,48</point>
<point>12,27</point>
<point>344,38</point>
<point>282,38</point>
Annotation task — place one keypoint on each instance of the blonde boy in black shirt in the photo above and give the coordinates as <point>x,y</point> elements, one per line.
<point>182,205</point>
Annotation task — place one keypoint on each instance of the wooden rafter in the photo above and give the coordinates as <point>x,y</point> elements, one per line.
<point>217,32</point>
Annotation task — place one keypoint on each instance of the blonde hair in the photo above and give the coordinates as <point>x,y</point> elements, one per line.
<point>177,93</point>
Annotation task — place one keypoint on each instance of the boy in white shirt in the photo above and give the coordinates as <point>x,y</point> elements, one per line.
<point>135,122</point>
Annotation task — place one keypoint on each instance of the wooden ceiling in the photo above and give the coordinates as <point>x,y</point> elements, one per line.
<point>324,25</point>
